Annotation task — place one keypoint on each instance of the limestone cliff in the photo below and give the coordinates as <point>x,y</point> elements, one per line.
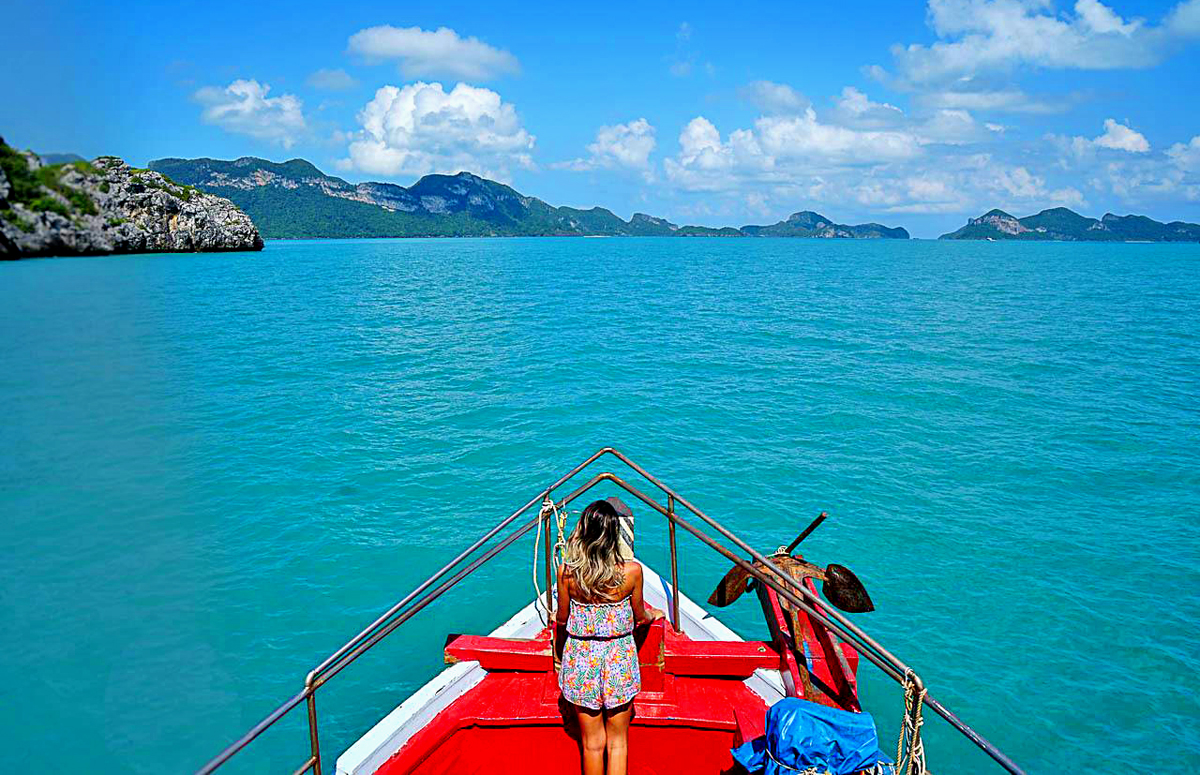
<point>106,206</point>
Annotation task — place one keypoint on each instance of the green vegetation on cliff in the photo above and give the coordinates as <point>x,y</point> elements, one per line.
<point>76,207</point>
<point>708,231</point>
<point>295,199</point>
<point>35,188</point>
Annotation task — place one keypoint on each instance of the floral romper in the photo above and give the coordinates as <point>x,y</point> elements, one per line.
<point>599,662</point>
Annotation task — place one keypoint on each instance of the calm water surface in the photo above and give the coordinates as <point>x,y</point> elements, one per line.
<point>215,469</point>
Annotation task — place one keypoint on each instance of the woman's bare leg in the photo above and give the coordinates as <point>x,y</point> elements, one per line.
<point>616,729</point>
<point>592,736</point>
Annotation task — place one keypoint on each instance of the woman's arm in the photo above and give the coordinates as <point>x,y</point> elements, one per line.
<point>564,610</point>
<point>564,598</point>
<point>640,615</point>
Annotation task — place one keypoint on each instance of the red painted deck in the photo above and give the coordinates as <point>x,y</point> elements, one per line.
<point>692,709</point>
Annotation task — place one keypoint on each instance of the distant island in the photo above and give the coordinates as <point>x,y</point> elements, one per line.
<point>76,207</point>
<point>1062,224</point>
<point>295,199</point>
<point>60,204</point>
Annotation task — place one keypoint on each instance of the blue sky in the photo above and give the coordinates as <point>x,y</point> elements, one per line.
<point>914,114</point>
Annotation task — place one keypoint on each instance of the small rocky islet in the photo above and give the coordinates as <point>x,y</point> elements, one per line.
<point>105,206</point>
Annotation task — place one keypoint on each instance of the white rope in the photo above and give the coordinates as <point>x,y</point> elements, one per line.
<point>538,604</point>
<point>560,549</point>
<point>910,730</point>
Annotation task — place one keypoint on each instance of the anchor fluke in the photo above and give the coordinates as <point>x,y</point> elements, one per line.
<point>842,588</point>
<point>731,587</point>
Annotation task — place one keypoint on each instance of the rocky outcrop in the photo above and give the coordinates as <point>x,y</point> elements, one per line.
<point>643,225</point>
<point>1000,221</point>
<point>106,206</point>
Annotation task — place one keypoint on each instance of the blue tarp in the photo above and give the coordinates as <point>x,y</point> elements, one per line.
<point>802,735</point>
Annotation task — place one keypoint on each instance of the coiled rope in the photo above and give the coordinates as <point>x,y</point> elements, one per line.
<point>910,730</point>
<point>559,550</point>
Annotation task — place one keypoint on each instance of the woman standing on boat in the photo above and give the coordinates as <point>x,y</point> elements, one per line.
<point>599,604</point>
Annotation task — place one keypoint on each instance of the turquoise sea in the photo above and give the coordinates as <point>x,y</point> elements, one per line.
<point>217,468</point>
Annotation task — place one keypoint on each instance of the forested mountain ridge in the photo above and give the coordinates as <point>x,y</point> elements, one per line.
<point>295,199</point>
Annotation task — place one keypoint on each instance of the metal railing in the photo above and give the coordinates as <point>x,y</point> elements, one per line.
<point>784,585</point>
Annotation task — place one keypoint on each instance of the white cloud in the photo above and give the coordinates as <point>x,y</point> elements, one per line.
<point>332,80</point>
<point>952,127</point>
<point>866,155</point>
<point>777,149</point>
<point>1101,19</point>
<point>1186,156</point>
<point>1001,34</point>
<point>432,53</point>
<point>961,184</point>
<point>699,136</point>
<point>793,138</point>
<point>623,145</point>
<point>706,163</point>
<point>1140,179</point>
<point>859,154</point>
<point>981,40</point>
<point>1184,19</point>
<point>967,96</point>
<point>628,144</point>
<point>1116,137</point>
<point>792,142</point>
<point>243,107</point>
<point>854,108</point>
<point>1120,137</point>
<point>1120,164</point>
<point>1019,184</point>
<point>749,167</point>
<point>421,128</point>
<point>806,137</point>
<point>776,98</point>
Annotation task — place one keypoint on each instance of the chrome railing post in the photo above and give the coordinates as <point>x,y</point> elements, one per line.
<point>314,742</point>
<point>674,564</point>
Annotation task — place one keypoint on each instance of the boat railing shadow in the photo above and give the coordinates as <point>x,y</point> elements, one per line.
<point>758,566</point>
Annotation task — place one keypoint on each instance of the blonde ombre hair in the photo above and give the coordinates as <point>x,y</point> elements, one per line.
<point>594,551</point>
